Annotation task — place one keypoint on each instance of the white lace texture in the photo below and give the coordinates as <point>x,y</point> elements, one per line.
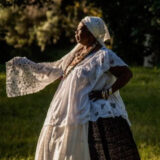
<point>24,76</point>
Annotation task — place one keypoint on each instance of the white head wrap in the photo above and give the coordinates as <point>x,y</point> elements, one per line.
<point>97,27</point>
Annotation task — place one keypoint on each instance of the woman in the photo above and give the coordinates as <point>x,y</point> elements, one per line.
<point>87,117</point>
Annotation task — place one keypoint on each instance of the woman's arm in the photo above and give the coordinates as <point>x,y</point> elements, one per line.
<point>123,75</point>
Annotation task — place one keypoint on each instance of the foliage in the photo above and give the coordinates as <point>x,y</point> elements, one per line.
<point>74,13</point>
<point>22,26</point>
<point>134,26</point>
<point>41,23</point>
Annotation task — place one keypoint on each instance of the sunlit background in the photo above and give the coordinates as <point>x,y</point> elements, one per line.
<point>43,30</point>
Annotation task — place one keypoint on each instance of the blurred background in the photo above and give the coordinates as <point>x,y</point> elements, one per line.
<point>37,28</point>
<point>43,30</point>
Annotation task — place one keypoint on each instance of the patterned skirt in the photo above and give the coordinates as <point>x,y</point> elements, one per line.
<point>111,139</point>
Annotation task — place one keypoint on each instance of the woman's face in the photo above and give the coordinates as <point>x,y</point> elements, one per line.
<point>83,35</point>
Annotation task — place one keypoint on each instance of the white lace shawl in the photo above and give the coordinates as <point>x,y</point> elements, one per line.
<point>24,76</point>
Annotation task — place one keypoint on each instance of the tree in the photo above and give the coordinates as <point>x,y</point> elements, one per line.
<point>24,23</point>
<point>134,26</point>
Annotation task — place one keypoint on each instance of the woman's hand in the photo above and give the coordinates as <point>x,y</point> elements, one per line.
<point>123,75</point>
<point>94,95</point>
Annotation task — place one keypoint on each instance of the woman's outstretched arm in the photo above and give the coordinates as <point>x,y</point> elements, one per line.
<point>123,74</point>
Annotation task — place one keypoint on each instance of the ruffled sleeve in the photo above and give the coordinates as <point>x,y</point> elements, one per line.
<point>24,76</point>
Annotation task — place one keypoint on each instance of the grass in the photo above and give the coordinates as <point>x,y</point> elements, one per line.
<point>22,117</point>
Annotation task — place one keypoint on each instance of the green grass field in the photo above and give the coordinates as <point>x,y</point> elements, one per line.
<point>21,118</point>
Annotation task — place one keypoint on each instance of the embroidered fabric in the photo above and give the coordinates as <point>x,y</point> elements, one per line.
<point>114,106</point>
<point>24,76</point>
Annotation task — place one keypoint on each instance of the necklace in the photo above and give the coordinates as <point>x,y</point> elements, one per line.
<point>79,56</point>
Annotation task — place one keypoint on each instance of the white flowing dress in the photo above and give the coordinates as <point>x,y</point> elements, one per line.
<point>64,135</point>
